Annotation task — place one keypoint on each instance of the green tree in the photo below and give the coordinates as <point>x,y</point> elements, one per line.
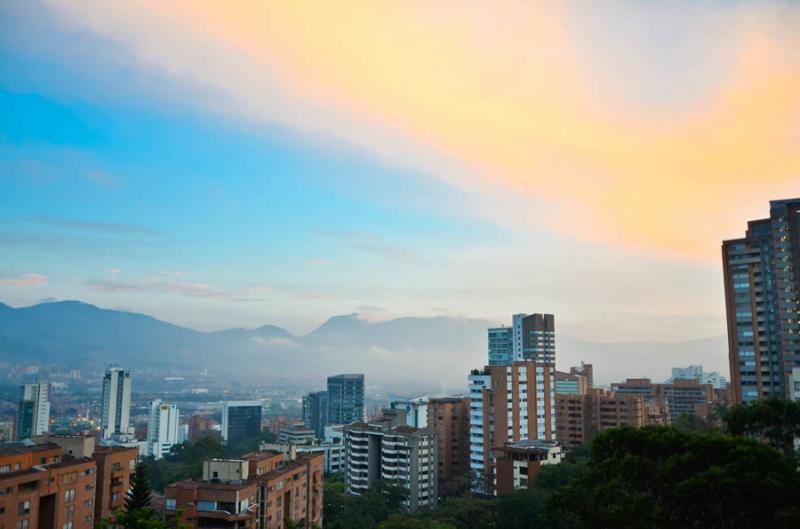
<point>775,419</point>
<point>140,495</point>
<point>405,521</point>
<point>660,478</point>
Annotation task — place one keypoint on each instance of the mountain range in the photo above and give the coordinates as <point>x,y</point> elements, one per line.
<point>437,349</point>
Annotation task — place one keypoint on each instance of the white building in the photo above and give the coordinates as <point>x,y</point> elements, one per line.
<point>416,410</point>
<point>403,455</point>
<point>162,428</point>
<point>116,411</point>
<point>694,372</point>
<point>33,415</point>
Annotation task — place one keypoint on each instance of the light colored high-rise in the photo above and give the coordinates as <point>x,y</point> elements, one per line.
<point>33,415</point>
<point>116,411</point>
<point>162,428</point>
<point>389,450</point>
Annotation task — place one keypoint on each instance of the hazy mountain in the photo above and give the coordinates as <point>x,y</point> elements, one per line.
<point>434,349</point>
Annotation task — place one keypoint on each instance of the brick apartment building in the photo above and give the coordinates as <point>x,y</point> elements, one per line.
<point>448,418</point>
<point>40,488</point>
<point>114,464</point>
<point>580,417</point>
<point>262,489</point>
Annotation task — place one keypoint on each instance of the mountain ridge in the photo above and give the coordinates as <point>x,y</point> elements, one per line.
<point>438,348</point>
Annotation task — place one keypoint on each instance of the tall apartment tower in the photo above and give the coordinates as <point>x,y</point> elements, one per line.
<point>315,412</point>
<point>241,419</point>
<point>390,451</point>
<point>507,404</point>
<point>762,276</point>
<point>530,337</point>
<point>345,398</point>
<point>162,428</point>
<point>33,414</point>
<point>448,418</point>
<point>116,410</point>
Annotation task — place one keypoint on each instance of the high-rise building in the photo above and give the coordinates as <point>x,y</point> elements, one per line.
<point>389,450</point>
<point>507,404</point>
<point>416,410</point>
<point>530,337</point>
<point>762,282</point>
<point>315,412</point>
<point>501,345</point>
<point>33,414</point>
<point>162,428</point>
<point>538,339</point>
<point>241,419</point>
<point>448,418</point>
<point>345,398</point>
<point>116,410</point>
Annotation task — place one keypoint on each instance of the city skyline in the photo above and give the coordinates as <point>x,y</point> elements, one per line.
<point>290,180</point>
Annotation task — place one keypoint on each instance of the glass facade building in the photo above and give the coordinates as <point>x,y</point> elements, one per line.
<point>345,398</point>
<point>762,274</point>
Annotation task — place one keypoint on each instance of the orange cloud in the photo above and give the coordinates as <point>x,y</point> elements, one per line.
<point>25,280</point>
<point>501,98</point>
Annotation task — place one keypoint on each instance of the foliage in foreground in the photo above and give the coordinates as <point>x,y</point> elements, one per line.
<point>688,476</point>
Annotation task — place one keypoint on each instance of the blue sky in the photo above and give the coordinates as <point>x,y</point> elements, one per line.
<point>239,173</point>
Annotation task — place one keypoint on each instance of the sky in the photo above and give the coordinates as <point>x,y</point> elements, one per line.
<point>233,164</point>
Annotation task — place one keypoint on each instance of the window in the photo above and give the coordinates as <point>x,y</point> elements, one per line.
<point>67,525</point>
<point>69,513</point>
<point>5,468</point>
<point>206,506</point>
<point>69,495</point>
<point>69,478</point>
<point>24,507</point>
<point>171,504</point>
<point>22,524</point>
<point>88,503</point>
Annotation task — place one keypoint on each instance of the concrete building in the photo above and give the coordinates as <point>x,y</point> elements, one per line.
<point>508,403</point>
<point>520,461</point>
<point>33,413</point>
<point>416,410</point>
<point>241,419</point>
<point>116,407</point>
<point>261,490</point>
<point>315,412</point>
<point>297,435</point>
<point>345,398</point>
<point>391,451</point>
<point>762,285</point>
<point>162,428</point>
<point>448,418</point>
